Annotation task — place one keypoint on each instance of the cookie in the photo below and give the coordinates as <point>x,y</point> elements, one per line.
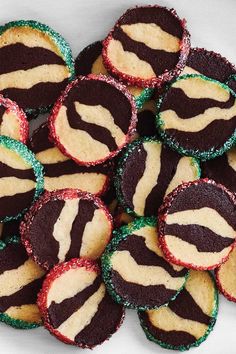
<point>188,320</point>
<point>64,224</point>
<point>13,121</point>
<point>135,271</point>
<point>61,172</point>
<point>93,119</point>
<point>20,282</point>
<point>226,277</point>
<point>197,116</point>
<point>36,64</point>
<point>146,125</point>
<point>197,224</point>
<point>75,306</point>
<point>148,46</point>
<point>147,172</point>
<point>10,229</point>
<point>231,82</point>
<point>21,179</point>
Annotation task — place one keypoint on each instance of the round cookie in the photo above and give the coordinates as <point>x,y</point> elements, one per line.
<point>197,224</point>
<point>148,46</point>
<point>21,179</point>
<point>13,121</point>
<point>10,229</point>
<point>188,320</point>
<point>65,224</point>
<point>20,281</point>
<point>148,171</point>
<point>36,64</point>
<point>75,306</point>
<point>197,116</point>
<point>60,172</point>
<point>146,125</point>
<point>93,119</point>
<point>135,271</point>
<point>226,277</point>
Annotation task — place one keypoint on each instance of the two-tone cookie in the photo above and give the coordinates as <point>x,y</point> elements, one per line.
<point>197,116</point>
<point>135,271</point>
<point>36,64</point>
<point>93,119</point>
<point>226,277</point>
<point>148,46</point>
<point>75,305</point>
<point>197,224</point>
<point>147,172</point>
<point>65,224</point>
<point>188,320</point>
<point>20,281</point>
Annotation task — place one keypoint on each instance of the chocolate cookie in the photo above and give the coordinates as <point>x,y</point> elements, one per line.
<point>60,172</point>
<point>226,277</point>
<point>147,172</point>
<point>188,320</point>
<point>75,306</point>
<point>93,119</point>
<point>148,46</point>
<point>197,224</point>
<point>64,224</point>
<point>135,271</point>
<point>197,116</point>
<point>21,179</point>
<point>36,64</point>
<point>13,121</point>
<point>20,282</point>
<point>146,125</point>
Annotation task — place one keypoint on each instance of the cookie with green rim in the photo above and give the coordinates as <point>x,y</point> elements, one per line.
<point>187,321</point>
<point>197,115</point>
<point>134,268</point>
<point>147,172</point>
<point>36,64</point>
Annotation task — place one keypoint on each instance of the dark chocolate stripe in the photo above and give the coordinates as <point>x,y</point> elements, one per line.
<point>143,256</point>
<point>187,107</point>
<point>59,313</point>
<point>2,111</point>
<point>13,205</point>
<point>85,60</point>
<point>10,229</point>
<point>185,307</point>
<point>17,56</point>
<point>7,171</point>
<point>25,296</point>
<point>146,125</point>
<point>85,215</point>
<point>12,257</point>
<point>202,237</point>
<point>159,60</point>
<point>40,141</point>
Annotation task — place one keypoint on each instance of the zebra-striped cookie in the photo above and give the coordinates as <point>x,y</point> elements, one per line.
<point>147,172</point>
<point>13,121</point>
<point>197,116</point>
<point>61,172</point>
<point>20,281</point>
<point>134,268</point>
<point>188,320</point>
<point>21,179</point>
<point>65,224</point>
<point>146,125</point>
<point>75,306</point>
<point>226,277</point>
<point>197,224</point>
<point>93,119</point>
<point>36,64</point>
<point>148,46</point>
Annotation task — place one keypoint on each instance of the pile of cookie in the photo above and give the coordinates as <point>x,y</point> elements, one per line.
<point>125,196</point>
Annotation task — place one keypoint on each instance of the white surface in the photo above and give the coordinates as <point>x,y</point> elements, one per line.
<point>212,24</point>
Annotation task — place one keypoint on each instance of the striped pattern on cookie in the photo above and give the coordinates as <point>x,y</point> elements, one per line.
<point>226,277</point>
<point>197,116</point>
<point>147,172</point>
<point>20,281</point>
<point>134,268</point>
<point>197,224</point>
<point>93,119</point>
<point>187,321</point>
<point>36,64</point>
<point>76,307</point>
<point>65,224</point>
<point>147,46</point>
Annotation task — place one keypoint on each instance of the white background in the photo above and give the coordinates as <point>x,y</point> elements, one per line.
<point>212,24</point>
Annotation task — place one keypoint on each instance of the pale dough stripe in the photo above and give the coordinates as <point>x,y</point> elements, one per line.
<point>227,274</point>
<point>98,67</point>
<point>29,313</point>
<point>13,160</point>
<point>231,157</point>
<point>10,186</point>
<point>10,125</point>
<point>149,178</point>
<point>50,156</point>
<point>206,217</point>
<point>123,263</point>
